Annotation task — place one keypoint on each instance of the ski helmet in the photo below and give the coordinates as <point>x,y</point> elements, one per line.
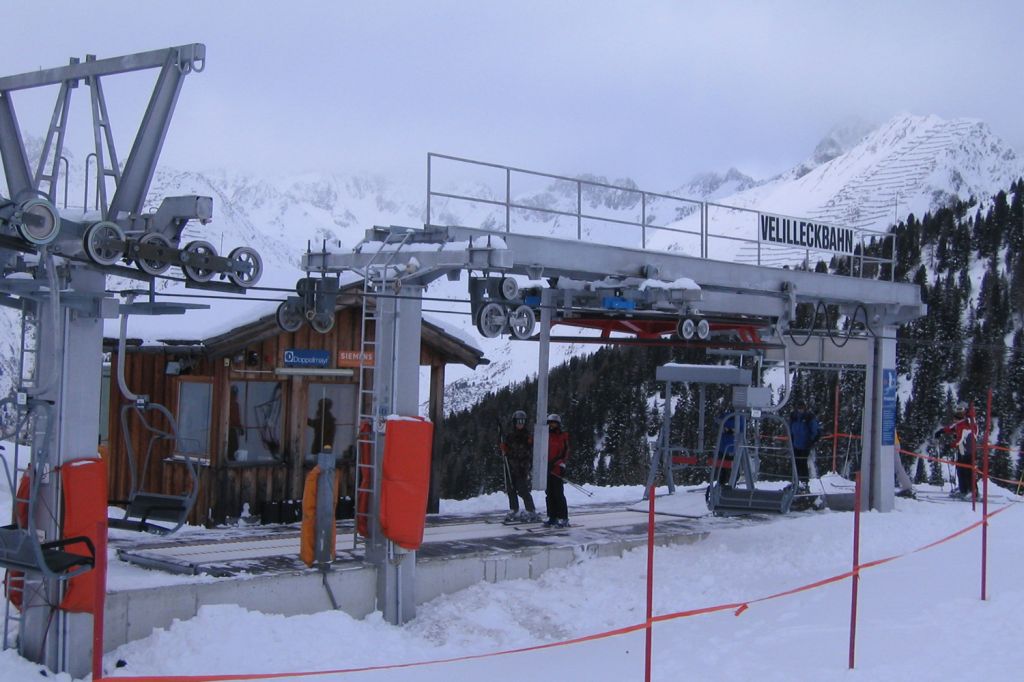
<point>554,418</point>
<point>961,407</point>
<point>518,416</point>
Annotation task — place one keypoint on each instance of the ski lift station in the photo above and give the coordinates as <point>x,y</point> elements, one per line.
<point>220,418</point>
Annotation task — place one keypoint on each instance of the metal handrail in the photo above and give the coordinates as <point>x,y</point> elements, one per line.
<point>861,264</point>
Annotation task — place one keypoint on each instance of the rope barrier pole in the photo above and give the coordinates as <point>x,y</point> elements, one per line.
<point>984,501</point>
<point>835,426</point>
<point>974,458</point>
<point>855,577</point>
<point>650,584</point>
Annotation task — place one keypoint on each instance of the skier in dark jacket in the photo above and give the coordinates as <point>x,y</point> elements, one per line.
<point>727,449</point>
<point>517,447</point>
<point>804,432</point>
<point>558,457</point>
<point>964,433</point>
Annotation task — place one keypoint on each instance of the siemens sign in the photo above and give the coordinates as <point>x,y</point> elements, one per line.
<point>805,234</point>
<point>304,357</point>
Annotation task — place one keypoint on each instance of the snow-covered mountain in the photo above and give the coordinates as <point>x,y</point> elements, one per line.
<point>856,176</point>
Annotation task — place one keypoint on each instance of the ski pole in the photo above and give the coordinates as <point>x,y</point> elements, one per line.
<point>577,486</point>
<point>505,471</point>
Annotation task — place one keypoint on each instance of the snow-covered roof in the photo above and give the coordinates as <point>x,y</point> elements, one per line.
<point>227,313</point>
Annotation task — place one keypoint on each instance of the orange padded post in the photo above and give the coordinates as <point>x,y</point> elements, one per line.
<point>406,480</point>
<point>84,482</point>
<point>307,537</point>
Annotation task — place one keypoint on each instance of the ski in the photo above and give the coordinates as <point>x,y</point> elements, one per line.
<point>549,529</point>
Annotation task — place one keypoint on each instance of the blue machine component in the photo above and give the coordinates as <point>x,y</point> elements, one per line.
<point>532,301</point>
<point>617,303</point>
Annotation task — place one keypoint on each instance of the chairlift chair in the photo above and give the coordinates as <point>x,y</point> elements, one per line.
<point>740,495</point>
<point>143,507</point>
<point>20,546</point>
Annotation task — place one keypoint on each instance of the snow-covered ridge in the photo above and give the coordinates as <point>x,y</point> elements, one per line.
<point>855,177</point>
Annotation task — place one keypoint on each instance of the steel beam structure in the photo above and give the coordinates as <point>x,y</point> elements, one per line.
<point>719,288</point>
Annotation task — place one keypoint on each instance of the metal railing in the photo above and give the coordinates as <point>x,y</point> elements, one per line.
<point>601,212</point>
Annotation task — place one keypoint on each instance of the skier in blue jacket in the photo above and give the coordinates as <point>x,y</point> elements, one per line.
<point>804,432</point>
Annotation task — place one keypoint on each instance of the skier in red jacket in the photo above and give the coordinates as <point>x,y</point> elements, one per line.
<point>964,432</point>
<point>558,457</point>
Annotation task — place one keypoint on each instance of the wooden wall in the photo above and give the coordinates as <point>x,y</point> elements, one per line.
<point>225,486</point>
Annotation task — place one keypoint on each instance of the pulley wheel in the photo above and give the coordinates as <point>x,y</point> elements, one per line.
<point>686,328</point>
<point>289,316</point>
<point>521,322</point>
<point>251,262</point>
<point>37,221</point>
<point>491,320</point>
<point>104,242</point>
<point>196,257</point>
<point>159,264</point>
<point>322,322</point>
<point>509,289</point>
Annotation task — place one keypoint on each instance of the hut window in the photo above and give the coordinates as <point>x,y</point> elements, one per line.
<point>331,418</point>
<point>194,402</point>
<point>255,421</point>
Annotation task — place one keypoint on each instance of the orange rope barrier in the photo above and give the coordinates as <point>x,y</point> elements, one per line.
<point>965,465</point>
<point>737,607</point>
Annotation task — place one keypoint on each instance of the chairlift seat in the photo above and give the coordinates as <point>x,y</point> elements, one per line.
<point>724,500</point>
<point>18,552</point>
<point>146,507</point>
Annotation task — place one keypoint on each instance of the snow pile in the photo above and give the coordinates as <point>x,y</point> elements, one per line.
<point>920,616</point>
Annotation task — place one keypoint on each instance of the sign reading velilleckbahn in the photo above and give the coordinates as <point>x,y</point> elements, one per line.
<point>805,233</point>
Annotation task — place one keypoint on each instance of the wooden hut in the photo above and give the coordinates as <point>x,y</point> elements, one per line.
<point>250,407</point>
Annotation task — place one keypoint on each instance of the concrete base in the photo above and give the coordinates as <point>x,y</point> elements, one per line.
<point>462,554</point>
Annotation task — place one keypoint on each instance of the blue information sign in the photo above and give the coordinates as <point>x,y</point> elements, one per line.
<point>305,357</point>
<point>889,385</point>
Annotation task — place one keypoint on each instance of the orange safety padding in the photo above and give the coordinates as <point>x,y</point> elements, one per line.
<point>84,486</point>
<point>365,469</point>
<point>307,538</point>
<point>84,482</point>
<point>406,480</point>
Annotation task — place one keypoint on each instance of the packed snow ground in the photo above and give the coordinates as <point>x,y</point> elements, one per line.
<point>920,616</point>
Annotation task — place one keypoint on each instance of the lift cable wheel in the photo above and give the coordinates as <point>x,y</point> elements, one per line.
<point>289,314</point>
<point>492,320</point>
<point>250,266</point>
<point>105,243</point>
<point>162,253</point>
<point>196,257</point>
<point>37,221</point>
<point>522,321</point>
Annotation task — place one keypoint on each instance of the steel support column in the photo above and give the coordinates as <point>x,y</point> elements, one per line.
<point>396,388</point>
<point>540,427</point>
<point>879,452</point>
<point>63,641</point>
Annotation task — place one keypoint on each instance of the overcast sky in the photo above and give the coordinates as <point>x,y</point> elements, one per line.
<point>655,91</point>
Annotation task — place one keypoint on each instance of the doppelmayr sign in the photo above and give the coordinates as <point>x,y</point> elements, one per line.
<point>805,234</point>
<point>306,357</point>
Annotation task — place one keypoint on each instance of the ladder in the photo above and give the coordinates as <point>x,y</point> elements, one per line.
<point>32,563</point>
<point>375,281</point>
